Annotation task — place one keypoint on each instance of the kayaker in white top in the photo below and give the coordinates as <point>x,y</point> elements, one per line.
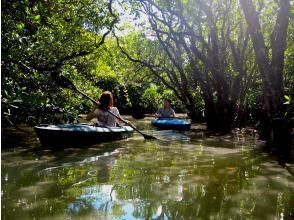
<point>166,111</point>
<point>100,111</point>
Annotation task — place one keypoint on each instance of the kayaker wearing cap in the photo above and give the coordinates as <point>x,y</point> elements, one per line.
<point>100,111</point>
<point>166,111</point>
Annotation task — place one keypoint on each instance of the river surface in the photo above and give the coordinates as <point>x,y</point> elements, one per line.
<point>180,176</point>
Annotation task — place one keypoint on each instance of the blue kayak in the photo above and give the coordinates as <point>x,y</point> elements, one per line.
<point>172,124</point>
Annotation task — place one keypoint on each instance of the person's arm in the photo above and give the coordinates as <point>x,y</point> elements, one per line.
<point>118,115</point>
<point>158,113</point>
<point>116,112</point>
<point>91,114</point>
<point>173,114</point>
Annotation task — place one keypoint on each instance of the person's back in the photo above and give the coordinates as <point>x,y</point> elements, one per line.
<point>166,111</point>
<point>105,118</point>
<point>101,112</point>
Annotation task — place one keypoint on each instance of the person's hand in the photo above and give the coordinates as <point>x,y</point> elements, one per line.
<point>127,121</point>
<point>97,102</point>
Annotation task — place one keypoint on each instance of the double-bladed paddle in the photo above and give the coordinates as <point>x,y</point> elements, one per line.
<point>66,83</point>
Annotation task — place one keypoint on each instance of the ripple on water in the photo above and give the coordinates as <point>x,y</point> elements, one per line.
<point>179,176</point>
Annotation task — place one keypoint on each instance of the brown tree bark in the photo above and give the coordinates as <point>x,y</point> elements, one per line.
<point>271,69</point>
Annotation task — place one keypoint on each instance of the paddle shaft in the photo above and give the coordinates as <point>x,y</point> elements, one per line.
<point>124,121</point>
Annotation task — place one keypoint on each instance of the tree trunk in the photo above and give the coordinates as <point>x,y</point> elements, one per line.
<point>220,115</point>
<point>271,70</point>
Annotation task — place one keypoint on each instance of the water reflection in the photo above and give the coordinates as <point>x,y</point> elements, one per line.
<point>205,178</point>
<point>169,135</point>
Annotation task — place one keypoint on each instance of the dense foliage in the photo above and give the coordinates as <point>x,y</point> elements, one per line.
<point>41,39</point>
<point>210,46</point>
<point>228,61</point>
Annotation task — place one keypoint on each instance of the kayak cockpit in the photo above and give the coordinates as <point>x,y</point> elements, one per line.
<point>172,124</point>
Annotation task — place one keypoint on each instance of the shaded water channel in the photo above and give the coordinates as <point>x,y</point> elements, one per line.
<point>180,176</point>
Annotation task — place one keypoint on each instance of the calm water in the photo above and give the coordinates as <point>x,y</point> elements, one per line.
<point>180,176</point>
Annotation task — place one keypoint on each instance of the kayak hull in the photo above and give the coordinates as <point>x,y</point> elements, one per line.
<point>172,124</point>
<point>78,135</point>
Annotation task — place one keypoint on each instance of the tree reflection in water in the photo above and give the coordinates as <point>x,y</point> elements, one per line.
<point>206,178</point>
<point>176,182</point>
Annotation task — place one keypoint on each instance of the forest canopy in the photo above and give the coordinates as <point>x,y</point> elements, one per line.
<point>226,62</point>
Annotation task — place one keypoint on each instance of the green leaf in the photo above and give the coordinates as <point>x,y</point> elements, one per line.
<point>37,17</point>
<point>20,26</point>
<point>287,98</point>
